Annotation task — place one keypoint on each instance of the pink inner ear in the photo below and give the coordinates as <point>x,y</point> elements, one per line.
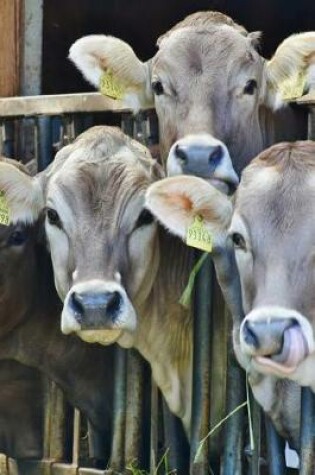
<point>180,201</point>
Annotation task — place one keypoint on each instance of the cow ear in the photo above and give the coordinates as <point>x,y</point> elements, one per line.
<point>21,196</point>
<point>287,72</point>
<point>176,201</point>
<point>111,66</point>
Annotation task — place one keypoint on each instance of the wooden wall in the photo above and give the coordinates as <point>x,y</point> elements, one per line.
<point>10,20</point>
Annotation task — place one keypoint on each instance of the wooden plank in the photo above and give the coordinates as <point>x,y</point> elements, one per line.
<point>308,99</point>
<point>58,105</point>
<point>10,14</point>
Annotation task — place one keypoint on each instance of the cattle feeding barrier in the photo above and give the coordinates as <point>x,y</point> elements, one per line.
<point>35,127</point>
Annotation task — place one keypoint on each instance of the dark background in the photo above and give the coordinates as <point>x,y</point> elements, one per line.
<point>140,22</point>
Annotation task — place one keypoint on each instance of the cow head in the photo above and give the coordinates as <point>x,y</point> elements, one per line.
<point>272,231</point>
<point>103,242</point>
<point>17,257</point>
<point>207,82</point>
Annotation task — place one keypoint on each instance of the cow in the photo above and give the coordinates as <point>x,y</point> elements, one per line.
<point>209,85</point>
<point>21,411</point>
<point>119,275</point>
<point>263,251</point>
<point>30,330</point>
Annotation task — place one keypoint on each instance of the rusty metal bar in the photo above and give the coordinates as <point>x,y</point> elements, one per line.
<point>119,410</point>
<point>201,368</point>
<point>307,434</point>
<point>154,427</point>
<point>134,411</point>
<point>275,449</point>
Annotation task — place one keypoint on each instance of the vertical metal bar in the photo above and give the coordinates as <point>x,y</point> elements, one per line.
<point>44,142</point>
<point>134,412</point>
<point>233,438</point>
<point>68,129</point>
<point>127,124</point>
<point>256,423</point>
<point>275,449</point>
<point>175,442</point>
<point>154,427</point>
<point>76,437</point>
<point>307,434</point>
<point>201,368</point>
<point>2,137</point>
<point>120,389</point>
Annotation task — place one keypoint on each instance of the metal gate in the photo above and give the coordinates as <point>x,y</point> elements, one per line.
<point>38,125</point>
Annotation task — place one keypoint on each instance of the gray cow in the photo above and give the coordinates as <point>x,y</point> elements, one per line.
<point>208,84</point>
<point>119,274</point>
<point>269,232</point>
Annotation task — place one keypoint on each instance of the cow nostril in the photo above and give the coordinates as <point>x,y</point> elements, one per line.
<point>77,306</point>
<point>181,154</point>
<point>249,335</point>
<point>216,155</point>
<point>114,303</point>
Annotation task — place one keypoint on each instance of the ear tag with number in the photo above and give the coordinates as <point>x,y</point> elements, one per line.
<point>4,210</point>
<point>197,235</point>
<point>110,86</point>
<point>293,87</point>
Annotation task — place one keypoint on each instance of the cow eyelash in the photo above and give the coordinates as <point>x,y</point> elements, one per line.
<point>53,217</point>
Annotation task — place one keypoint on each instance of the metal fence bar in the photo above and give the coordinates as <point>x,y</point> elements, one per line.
<point>201,369</point>
<point>275,449</point>
<point>307,436</point>
<point>119,425</point>
<point>233,439</point>
<point>154,427</point>
<point>134,409</point>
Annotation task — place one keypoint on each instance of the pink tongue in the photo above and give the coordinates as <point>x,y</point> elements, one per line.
<point>293,352</point>
<point>295,345</point>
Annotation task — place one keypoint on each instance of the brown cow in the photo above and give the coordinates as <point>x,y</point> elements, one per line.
<point>30,330</point>
<point>271,232</point>
<point>119,274</point>
<point>208,84</point>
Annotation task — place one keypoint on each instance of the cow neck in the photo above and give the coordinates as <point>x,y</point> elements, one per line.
<point>165,326</point>
<point>38,342</point>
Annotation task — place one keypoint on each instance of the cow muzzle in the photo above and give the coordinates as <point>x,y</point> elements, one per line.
<point>98,311</point>
<point>277,342</point>
<point>206,157</point>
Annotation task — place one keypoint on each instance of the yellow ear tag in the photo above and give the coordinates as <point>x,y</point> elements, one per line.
<point>293,87</point>
<point>197,235</point>
<point>4,210</point>
<point>110,86</point>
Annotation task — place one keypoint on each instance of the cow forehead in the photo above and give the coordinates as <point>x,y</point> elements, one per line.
<point>277,203</point>
<point>217,47</point>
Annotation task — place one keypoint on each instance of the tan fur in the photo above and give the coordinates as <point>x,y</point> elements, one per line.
<point>292,56</point>
<point>23,194</point>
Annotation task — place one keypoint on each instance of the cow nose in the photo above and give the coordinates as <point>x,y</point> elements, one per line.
<point>266,337</point>
<point>206,157</point>
<point>199,159</point>
<point>95,309</point>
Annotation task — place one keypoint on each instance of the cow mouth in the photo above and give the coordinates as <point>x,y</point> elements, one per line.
<point>294,350</point>
<point>104,337</point>
<point>225,186</point>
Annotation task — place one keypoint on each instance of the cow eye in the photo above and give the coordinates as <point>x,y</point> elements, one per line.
<point>157,88</point>
<point>53,217</point>
<point>18,237</point>
<point>238,241</point>
<point>145,218</point>
<point>250,87</point>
